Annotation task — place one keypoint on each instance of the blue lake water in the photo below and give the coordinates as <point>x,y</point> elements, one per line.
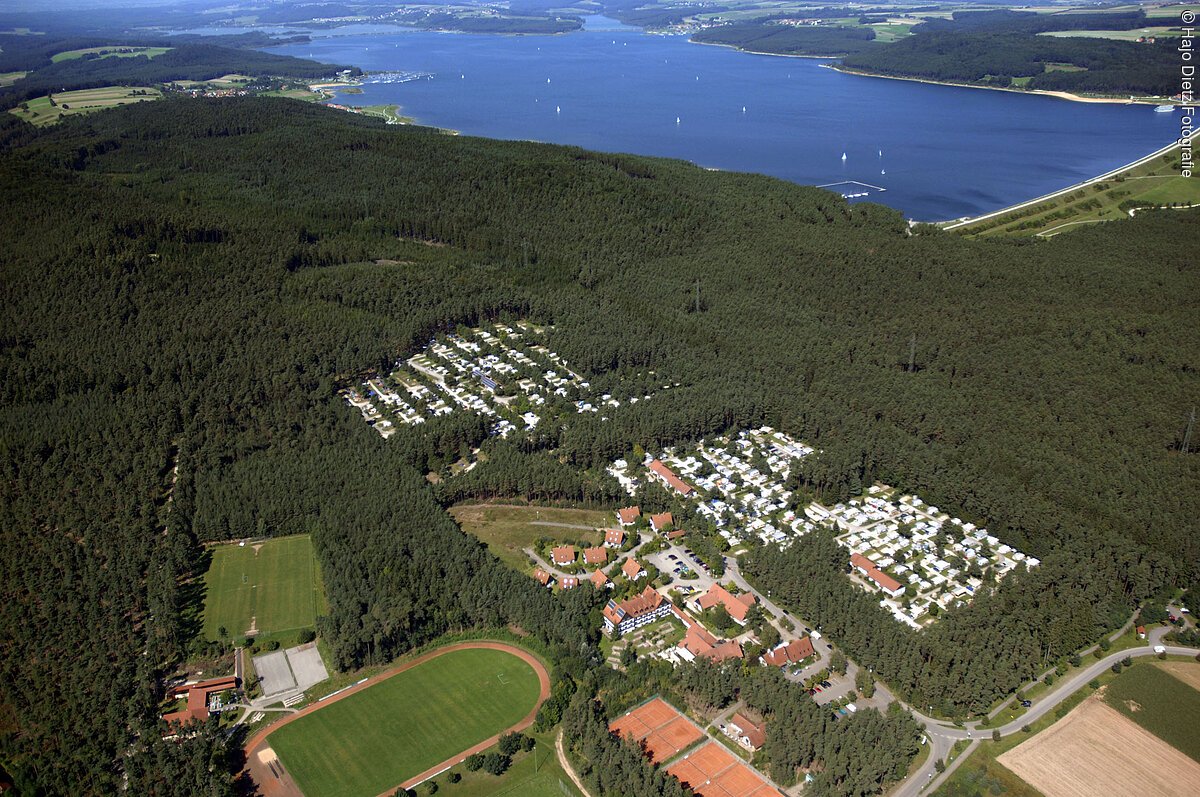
<point>940,152</point>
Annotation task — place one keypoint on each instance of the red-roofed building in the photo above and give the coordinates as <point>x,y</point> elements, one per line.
<point>614,538</point>
<point>745,731</point>
<point>698,642</point>
<point>885,582</point>
<point>661,521</point>
<point>632,570</point>
<point>599,580</point>
<point>623,617</point>
<point>198,699</point>
<point>787,653</point>
<point>595,556</point>
<point>736,605</point>
<point>670,479</point>
<point>1141,632</point>
<point>542,577</point>
<point>676,534</point>
<point>563,555</point>
<point>629,515</point>
<point>569,582</point>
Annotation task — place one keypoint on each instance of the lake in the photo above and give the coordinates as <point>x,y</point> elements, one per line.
<point>937,152</point>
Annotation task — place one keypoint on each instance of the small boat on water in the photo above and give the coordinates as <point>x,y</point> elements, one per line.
<point>677,120</point>
<point>843,157</point>
<point>1164,109</point>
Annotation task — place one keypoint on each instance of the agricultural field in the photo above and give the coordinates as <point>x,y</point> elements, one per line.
<point>507,529</point>
<point>111,51</point>
<point>9,78</point>
<point>1167,706</point>
<point>1115,35</point>
<point>417,718</point>
<point>266,588</point>
<point>1096,744</point>
<point>47,110</point>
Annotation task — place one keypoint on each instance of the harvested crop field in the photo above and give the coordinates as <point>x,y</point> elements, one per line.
<point>1096,744</point>
<point>1186,671</point>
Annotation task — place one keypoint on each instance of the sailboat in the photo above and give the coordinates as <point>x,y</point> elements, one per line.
<point>558,109</point>
<point>677,121</point>
<point>743,109</point>
<point>843,157</point>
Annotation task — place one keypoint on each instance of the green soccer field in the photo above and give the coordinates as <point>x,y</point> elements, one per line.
<point>276,587</point>
<point>378,738</point>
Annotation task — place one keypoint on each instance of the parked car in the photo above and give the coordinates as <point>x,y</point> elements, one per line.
<point>1026,703</point>
<point>826,684</point>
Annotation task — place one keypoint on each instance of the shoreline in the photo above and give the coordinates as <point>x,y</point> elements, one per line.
<point>953,224</point>
<point>737,49</point>
<point>1061,95</point>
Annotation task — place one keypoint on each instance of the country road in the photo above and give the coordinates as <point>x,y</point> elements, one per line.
<point>942,737</point>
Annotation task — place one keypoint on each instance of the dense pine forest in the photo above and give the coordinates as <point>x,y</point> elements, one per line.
<point>1003,48</point>
<point>188,282</point>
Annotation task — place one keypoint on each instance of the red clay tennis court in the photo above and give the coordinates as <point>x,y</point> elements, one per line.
<point>660,728</point>
<point>712,771</point>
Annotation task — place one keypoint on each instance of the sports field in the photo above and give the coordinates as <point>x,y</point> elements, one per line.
<point>384,735</point>
<point>269,587</point>
<point>47,110</point>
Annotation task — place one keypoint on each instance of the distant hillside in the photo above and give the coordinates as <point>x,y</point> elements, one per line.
<point>767,37</point>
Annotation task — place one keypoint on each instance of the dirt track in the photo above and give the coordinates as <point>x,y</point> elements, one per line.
<point>1096,749</point>
<point>260,756</point>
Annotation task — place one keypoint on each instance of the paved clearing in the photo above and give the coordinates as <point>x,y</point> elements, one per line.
<point>1096,750</point>
<point>274,673</point>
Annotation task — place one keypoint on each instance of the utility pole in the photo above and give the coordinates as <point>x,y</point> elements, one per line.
<point>912,353</point>
<point>1187,434</point>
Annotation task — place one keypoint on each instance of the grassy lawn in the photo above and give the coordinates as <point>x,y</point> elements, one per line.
<point>295,94</point>
<point>536,774</point>
<point>1156,182</point>
<point>111,51</point>
<point>9,78</point>
<point>279,585</point>
<point>47,110</point>
<point>380,737</point>
<point>507,529</point>
<point>1160,703</point>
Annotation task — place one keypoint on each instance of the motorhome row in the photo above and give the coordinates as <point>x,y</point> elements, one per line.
<point>504,373</point>
<point>919,558</point>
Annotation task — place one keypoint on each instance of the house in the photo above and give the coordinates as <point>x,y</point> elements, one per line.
<point>885,582</point>
<point>676,534</point>
<point>661,521</point>
<point>595,556</point>
<point>736,605</point>
<point>198,699</point>
<point>599,580</point>
<point>563,555</point>
<point>1141,632</point>
<point>699,643</point>
<point>614,538</point>
<point>628,516</point>
<point>669,478</point>
<point>746,732</point>
<point>786,653</point>
<point>569,582</point>
<point>632,570</point>
<point>640,610</point>
<point>542,577</point>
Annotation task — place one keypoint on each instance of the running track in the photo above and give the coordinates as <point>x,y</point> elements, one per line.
<point>272,786</point>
